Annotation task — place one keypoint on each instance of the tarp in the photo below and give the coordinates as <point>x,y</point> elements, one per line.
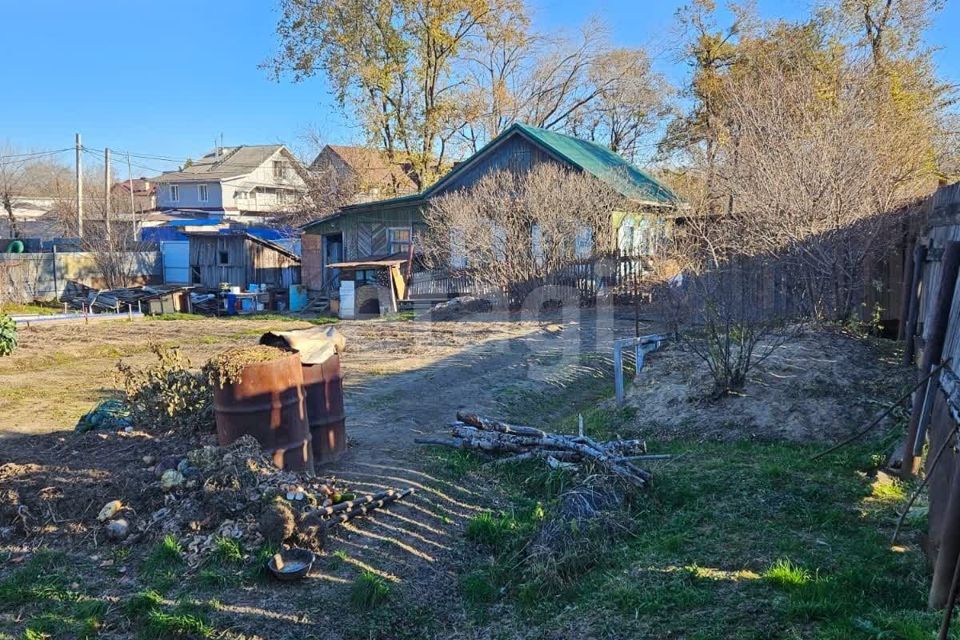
<point>315,345</point>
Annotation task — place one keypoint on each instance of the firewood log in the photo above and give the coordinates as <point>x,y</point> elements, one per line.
<point>491,424</point>
<point>363,509</point>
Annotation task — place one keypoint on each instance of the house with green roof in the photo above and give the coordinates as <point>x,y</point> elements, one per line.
<point>386,228</point>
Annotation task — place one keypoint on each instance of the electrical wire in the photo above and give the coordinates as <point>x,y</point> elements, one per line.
<point>29,157</point>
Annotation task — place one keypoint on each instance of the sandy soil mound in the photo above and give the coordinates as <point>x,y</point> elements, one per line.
<point>818,387</point>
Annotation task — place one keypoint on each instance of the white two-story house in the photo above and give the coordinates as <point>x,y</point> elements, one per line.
<point>235,182</point>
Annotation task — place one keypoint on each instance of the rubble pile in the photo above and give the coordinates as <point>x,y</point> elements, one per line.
<point>236,492</point>
<point>233,491</point>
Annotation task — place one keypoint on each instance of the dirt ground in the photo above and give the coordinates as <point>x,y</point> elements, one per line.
<point>402,378</point>
<point>818,387</point>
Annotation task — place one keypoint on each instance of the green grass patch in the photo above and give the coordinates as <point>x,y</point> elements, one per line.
<point>369,591</point>
<point>228,550</point>
<point>752,536</point>
<point>164,566</point>
<point>155,619</point>
<point>44,593</point>
<point>784,573</point>
<point>162,624</point>
<point>33,309</point>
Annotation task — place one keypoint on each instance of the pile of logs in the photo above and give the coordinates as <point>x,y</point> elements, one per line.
<point>490,435</point>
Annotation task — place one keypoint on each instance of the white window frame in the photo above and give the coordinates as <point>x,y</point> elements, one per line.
<point>174,193</point>
<point>404,245</point>
<point>203,193</point>
<point>279,170</point>
<point>458,249</point>
<point>536,244</point>
<point>498,238</point>
<point>583,243</point>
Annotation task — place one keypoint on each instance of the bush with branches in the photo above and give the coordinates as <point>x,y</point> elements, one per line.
<point>168,395</point>
<point>8,335</point>
<point>513,231</point>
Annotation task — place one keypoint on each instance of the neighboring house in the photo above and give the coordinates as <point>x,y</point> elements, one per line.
<point>372,230</point>
<point>144,194</point>
<point>38,221</point>
<point>368,173</point>
<point>243,182</point>
<point>240,259</point>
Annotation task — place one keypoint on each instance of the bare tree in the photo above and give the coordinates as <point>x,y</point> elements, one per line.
<point>720,316</point>
<point>515,231</point>
<point>578,84</point>
<point>115,248</point>
<point>22,175</point>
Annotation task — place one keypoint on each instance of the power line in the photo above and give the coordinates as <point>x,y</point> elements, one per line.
<point>31,157</point>
<point>34,153</point>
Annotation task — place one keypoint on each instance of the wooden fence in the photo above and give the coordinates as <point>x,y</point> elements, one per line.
<point>778,285</point>
<point>617,275</point>
<point>932,337</point>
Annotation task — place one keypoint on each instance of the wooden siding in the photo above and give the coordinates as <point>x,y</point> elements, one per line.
<point>515,153</point>
<point>247,261</point>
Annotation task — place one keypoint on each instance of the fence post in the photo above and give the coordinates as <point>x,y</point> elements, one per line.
<point>913,299</point>
<point>907,280</point>
<point>933,350</point>
<point>56,288</point>
<point>618,372</point>
<point>946,560</point>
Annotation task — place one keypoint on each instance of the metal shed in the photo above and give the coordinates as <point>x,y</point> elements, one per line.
<point>240,258</point>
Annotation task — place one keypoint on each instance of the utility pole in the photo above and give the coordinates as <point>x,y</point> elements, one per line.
<point>79,187</point>
<point>133,214</point>
<point>106,190</point>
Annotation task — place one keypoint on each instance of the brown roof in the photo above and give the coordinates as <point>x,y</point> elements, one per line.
<point>141,186</point>
<point>372,167</point>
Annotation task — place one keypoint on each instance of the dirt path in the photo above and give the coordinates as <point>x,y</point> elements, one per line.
<point>401,379</point>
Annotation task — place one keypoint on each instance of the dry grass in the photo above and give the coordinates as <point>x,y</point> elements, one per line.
<point>60,370</point>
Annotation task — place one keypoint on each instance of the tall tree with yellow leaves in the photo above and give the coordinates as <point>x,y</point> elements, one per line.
<point>393,61</point>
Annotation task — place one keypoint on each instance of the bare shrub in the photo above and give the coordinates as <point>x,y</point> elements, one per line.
<point>167,395</point>
<point>720,315</point>
<point>514,231</point>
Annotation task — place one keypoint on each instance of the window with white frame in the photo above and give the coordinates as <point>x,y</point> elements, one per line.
<point>498,242</point>
<point>583,246</point>
<point>399,239</point>
<point>279,169</point>
<point>203,193</point>
<point>458,249</point>
<point>536,243</point>
<point>174,193</point>
<point>627,237</point>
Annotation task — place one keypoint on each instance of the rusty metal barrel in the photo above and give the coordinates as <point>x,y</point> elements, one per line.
<point>269,404</point>
<point>323,386</point>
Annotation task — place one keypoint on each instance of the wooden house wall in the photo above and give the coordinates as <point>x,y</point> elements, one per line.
<point>247,262</point>
<point>269,266</point>
<point>515,153</point>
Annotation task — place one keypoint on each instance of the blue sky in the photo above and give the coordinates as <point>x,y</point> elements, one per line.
<point>167,78</point>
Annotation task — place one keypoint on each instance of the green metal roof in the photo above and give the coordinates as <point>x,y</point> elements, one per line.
<point>602,163</point>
